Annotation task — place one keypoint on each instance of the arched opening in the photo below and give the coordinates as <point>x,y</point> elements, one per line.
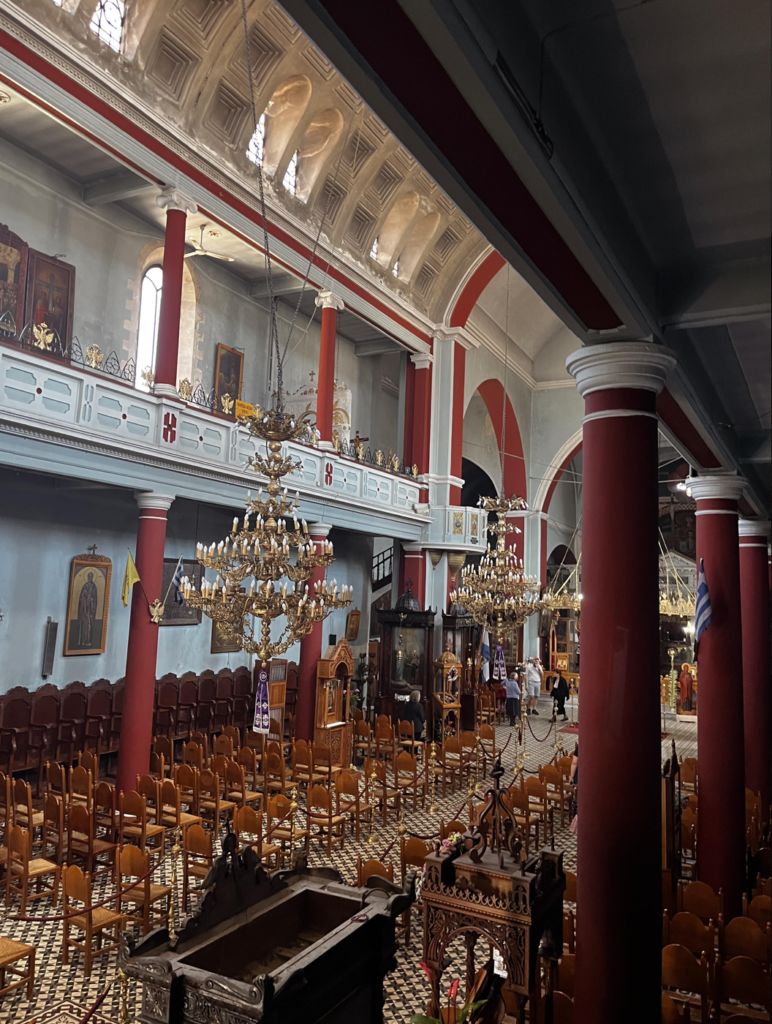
<point>315,147</point>
<point>395,226</point>
<point>107,23</point>
<point>508,437</point>
<point>256,147</point>
<point>477,484</point>
<point>282,116</point>
<point>150,293</point>
<point>416,244</point>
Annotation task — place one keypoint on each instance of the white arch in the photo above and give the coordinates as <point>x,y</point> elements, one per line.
<point>552,470</point>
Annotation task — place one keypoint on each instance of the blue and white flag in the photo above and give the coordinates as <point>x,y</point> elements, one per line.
<point>177,583</point>
<point>485,655</point>
<point>704,612</point>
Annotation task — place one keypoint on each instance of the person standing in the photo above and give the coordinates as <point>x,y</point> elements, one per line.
<point>513,698</point>
<point>414,712</point>
<point>533,677</point>
<point>560,693</point>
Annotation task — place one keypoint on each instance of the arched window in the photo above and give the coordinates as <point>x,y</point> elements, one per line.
<point>374,250</point>
<point>291,175</point>
<point>256,146</point>
<point>149,314</point>
<point>395,269</point>
<point>107,21</point>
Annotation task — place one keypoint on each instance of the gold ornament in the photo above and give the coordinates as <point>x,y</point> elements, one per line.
<point>156,610</point>
<point>43,336</point>
<point>185,389</point>
<point>148,376</point>
<point>94,356</point>
<point>227,404</point>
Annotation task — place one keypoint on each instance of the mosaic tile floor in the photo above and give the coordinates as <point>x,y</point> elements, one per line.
<point>62,994</point>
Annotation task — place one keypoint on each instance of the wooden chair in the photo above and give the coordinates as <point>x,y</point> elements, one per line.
<point>566,974</point>
<point>105,811</point>
<point>742,979</point>
<point>197,860</point>
<point>134,864</point>
<point>454,826</point>
<point>442,770</point>
<point>564,765</point>
<point>170,806</point>
<point>407,779</point>
<point>11,952</point>
<point>382,794</point>
<point>759,910</point>
<point>385,739</point>
<point>163,746</point>
<point>218,763</point>
<point>487,740</point>
<point>364,744</point>
<point>82,787</point>
<point>538,802</point>
<point>186,781</point>
<point>366,869</point>
<point>24,813</point>
<point>234,734</point>
<point>525,816</point>
<point>302,771</point>
<point>412,854</point>
<point>688,770</point>
<point>274,773</point>
<point>93,923</point>
<point>211,804</point>
<point>686,929</point>
<point>53,829</point>
<point>407,741</point>
<point>236,787</point>
<point>98,710</point>
<point>133,824</point>
<point>279,808</point>
<point>6,810</point>
<point>56,780</point>
<point>248,827</point>
<point>454,760</point>
<point>349,801</point>
<point>698,898</point>
<point>471,751</point>
<point>90,761</point>
<point>22,869</point>
<point>323,763</point>
<point>569,912</point>
<point>743,937</point>
<point>672,1013</point>
<point>223,745</point>
<point>147,787</point>
<point>562,1007</point>
<point>81,842</point>
<point>193,754</point>
<point>330,827</point>
<point>187,698</point>
<point>683,972</point>
<point>247,759</point>
<point>557,795</point>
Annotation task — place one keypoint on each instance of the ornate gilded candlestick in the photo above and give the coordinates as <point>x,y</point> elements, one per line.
<point>432,765</point>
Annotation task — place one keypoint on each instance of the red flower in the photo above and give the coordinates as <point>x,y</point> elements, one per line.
<point>426,971</point>
<point>453,991</point>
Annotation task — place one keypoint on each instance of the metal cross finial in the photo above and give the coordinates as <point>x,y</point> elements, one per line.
<point>92,550</point>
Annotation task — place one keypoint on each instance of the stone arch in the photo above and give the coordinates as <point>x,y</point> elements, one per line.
<point>416,243</point>
<point>397,222</point>
<point>315,147</point>
<point>555,471</point>
<point>190,353</point>
<point>509,440</point>
<point>282,116</point>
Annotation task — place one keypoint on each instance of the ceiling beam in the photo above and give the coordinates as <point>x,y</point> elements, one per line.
<point>282,284</point>
<point>123,185</point>
<point>380,347</point>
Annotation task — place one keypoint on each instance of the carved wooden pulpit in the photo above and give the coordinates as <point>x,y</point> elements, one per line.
<point>485,888</point>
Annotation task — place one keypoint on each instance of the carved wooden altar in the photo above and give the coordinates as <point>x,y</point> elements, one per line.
<point>332,717</point>
<point>486,889</point>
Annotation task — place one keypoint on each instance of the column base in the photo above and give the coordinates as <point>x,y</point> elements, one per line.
<point>166,391</point>
<point>325,446</point>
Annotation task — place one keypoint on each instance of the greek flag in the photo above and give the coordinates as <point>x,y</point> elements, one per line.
<point>704,612</point>
<point>177,583</point>
<point>485,655</point>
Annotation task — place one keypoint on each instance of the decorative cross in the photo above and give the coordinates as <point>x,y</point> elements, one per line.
<point>92,550</point>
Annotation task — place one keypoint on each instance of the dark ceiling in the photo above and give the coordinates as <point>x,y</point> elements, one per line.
<point>640,128</point>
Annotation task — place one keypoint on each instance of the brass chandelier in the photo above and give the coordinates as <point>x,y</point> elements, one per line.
<point>497,593</point>
<point>261,548</point>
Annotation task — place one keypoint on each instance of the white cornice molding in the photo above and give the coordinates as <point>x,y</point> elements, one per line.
<point>458,334</point>
<point>421,360</point>
<point>640,365</point>
<point>754,528</point>
<point>717,486</point>
<point>327,299</point>
<point>437,478</point>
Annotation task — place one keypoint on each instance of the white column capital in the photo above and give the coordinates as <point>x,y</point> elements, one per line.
<point>754,528</point>
<point>148,499</point>
<point>319,531</point>
<point>718,485</point>
<point>621,364</point>
<point>421,360</point>
<point>174,199</point>
<point>329,300</point>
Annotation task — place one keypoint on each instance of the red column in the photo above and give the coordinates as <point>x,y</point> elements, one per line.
<point>177,206</point>
<point>757,659</point>
<point>311,648</point>
<point>422,418</point>
<point>415,570</point>
<point>139,695</point>
<point>330,304</point>
<point>457,434</point>
<point>721,826</point>
<point>619,940</point>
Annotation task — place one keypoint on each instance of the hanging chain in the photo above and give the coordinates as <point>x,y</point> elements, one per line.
<point>506,393</point>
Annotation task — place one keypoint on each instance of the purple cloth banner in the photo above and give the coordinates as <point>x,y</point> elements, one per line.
<point>499,665</point>
<point>262,718</point>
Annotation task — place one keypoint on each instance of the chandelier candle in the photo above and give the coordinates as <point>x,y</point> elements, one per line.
<point>264,552</point>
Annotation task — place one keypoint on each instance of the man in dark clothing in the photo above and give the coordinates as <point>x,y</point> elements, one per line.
<point>560,694</point>
<point>414,712</point>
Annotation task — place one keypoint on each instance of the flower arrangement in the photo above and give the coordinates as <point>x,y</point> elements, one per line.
<point>459,1015</point>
